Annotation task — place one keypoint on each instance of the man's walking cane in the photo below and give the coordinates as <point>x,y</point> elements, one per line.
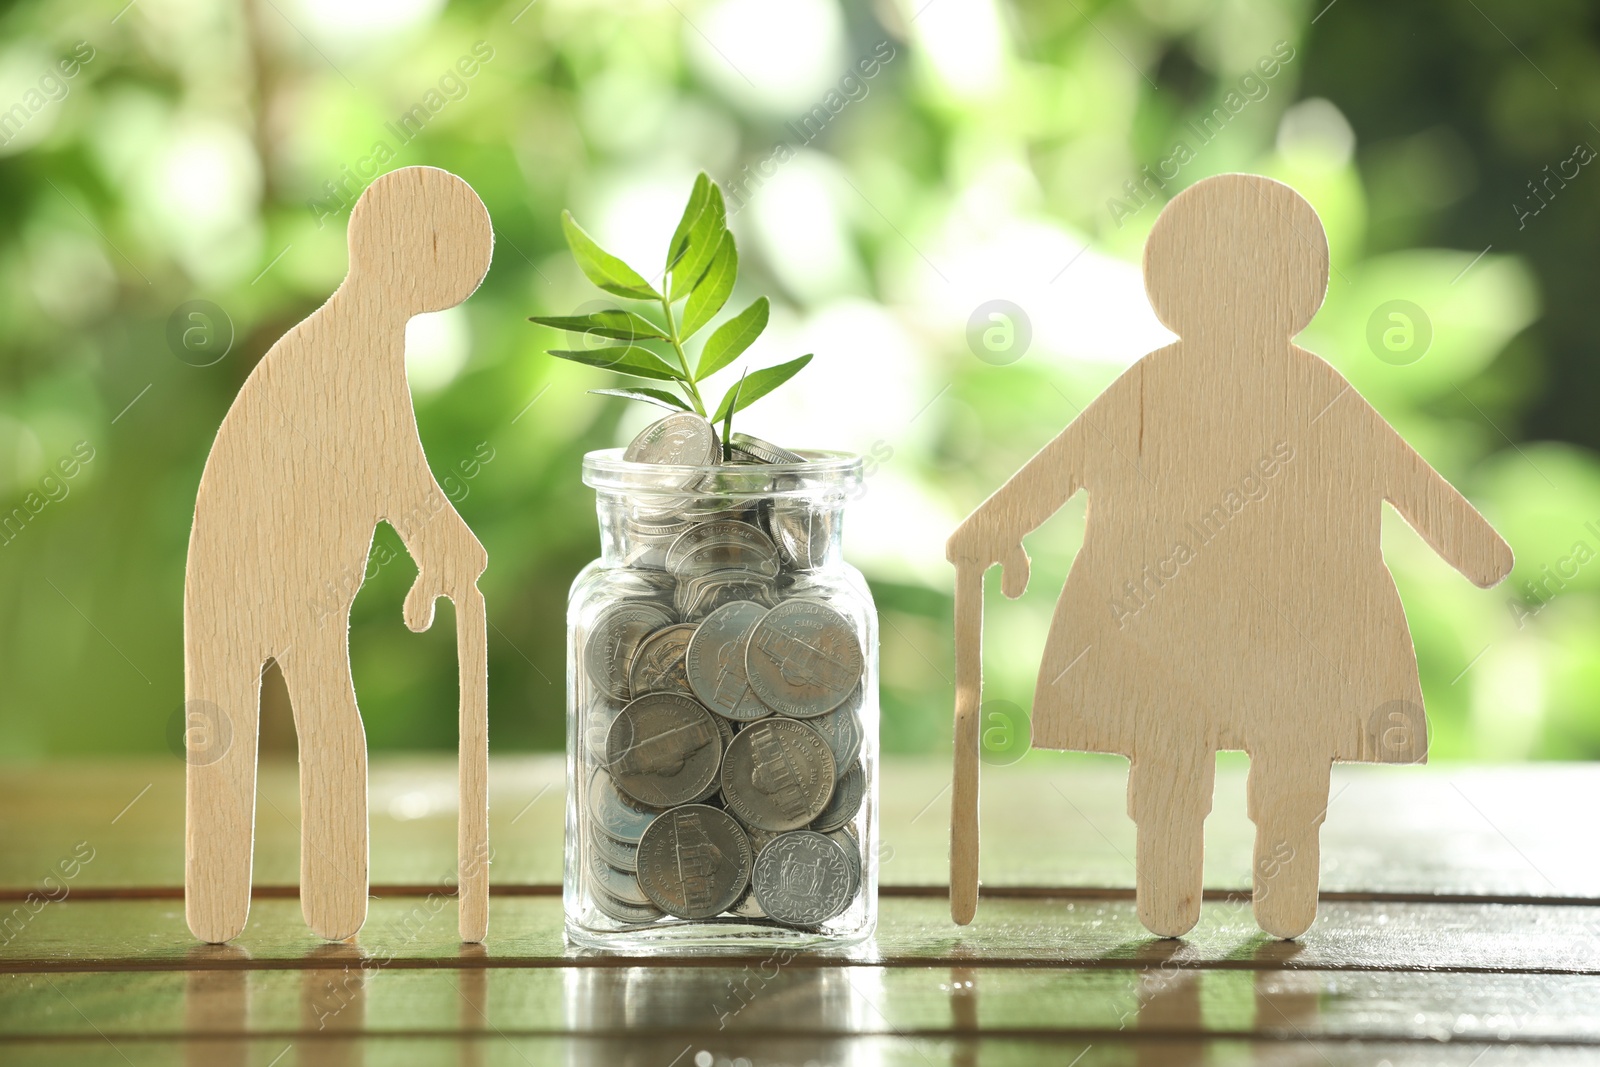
<point>964,787</point>
<point>472,831</point>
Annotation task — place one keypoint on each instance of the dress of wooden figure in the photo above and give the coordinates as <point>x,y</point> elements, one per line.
<point>1231,591</point>
<point>320,444</point>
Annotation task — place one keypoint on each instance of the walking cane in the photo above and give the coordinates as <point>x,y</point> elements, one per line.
<point>964,787</point>
<point>472,834</point>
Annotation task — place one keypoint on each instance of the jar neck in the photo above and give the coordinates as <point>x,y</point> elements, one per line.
<point>682,533</point>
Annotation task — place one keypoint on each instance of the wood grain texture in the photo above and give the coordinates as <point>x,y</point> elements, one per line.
<point>320,445</point>
<point>417,932</point>
<point>1231,591</point>
<point>1058,824</point>
<point>832,1001</point>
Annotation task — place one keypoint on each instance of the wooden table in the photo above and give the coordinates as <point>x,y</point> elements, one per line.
<point>1460,924</point>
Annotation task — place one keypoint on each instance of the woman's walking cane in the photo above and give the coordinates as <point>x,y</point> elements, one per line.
<point>472,836</point>
<point>969,695</point>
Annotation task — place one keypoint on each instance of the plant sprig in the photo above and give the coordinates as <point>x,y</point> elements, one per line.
<point>701,266</point>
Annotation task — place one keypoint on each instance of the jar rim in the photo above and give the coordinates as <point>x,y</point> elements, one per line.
<point>824,470</point>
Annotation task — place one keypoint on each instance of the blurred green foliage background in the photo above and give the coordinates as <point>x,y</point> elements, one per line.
<point>209,152</point>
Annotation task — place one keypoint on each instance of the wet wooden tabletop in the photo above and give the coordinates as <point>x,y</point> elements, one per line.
<point>1460,924</point>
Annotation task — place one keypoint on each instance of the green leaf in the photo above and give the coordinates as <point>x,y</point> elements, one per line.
<point>698,197</point>
<point>728,341</point>
<point>616,324</point>
<point>670,401</point>
<point>756,385</point>
<point>625,359</point>
<point>603,268</point>
<point>712,290</point>
<point>702,244</point>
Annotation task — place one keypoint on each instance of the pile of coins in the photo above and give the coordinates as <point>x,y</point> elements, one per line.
<point>721,697</point>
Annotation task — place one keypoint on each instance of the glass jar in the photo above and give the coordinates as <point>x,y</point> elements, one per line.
<point>722,710</point>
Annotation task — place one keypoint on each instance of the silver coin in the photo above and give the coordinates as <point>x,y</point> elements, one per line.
<point>658,665</point>
<point>699,596</point>
<point>777,775</point>
<point>803,879</point>
<point>622,855</point>
<point>747,906</point>
<point>803,659</point>
<point>623,912</point>
<point>842,729</point>
<point>616,814</point>
<point>846,839</point>
<point>759,838</point>
<point>722,545</point>
<point>681,439</point>
<point>694,861</point>
<point>848,792</point>
<point>804,533</point>
<point>761,451</point>
<point>725,731</point>
<point>716,657</point>
<point>663,749</point>
<point>619,885</point>
<point>616,636</point>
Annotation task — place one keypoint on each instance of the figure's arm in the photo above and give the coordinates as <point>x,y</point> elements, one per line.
<point>1450,525</point>
<point>448,555</point>
<point>993,533</point>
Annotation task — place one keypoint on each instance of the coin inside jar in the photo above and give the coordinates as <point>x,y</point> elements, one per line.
<point>845,802</point>
<point>616,636</point>
<point>624,912</point>
<point>803,659</point>
<point>658,664</point>
<point>618,815</point>
<point>842,729</point>
<point>803,878</point>
<point>663,749</point>
<point>722,545</point>
<point>694,861</point>
<point>715,661</point>
<point>778,774</point>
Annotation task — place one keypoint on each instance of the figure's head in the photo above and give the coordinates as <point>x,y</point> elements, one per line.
<point>1233,248</point>
<point>423,235</point>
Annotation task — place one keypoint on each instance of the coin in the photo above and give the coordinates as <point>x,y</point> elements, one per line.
<point>617,633</point>
<point>722,545</point>
<point>681,439</point>
<point>803,878</point>
<point>777,775</point>
<point>803,659</point>
<point>619,854</point>
<point>743,444</point>
<point>804,533</point>
<point>623,912</point>
<point>715,661</point>
<point>658,665</point>
<point>747,906</point>
<point>725,732</point>
<point>615,813</point>
<point>845,801</point>
<point>619,885</point>
<point>699,596</point>
<point>842,729</point>
<point>694,861</point>
<point>846,839</point>
<point>663,749</point>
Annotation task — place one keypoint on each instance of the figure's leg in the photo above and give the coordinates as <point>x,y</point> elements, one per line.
<point>1169,796</point>
<point>333,782</point>
<point>222,707</point>
<point>1288,799</point>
